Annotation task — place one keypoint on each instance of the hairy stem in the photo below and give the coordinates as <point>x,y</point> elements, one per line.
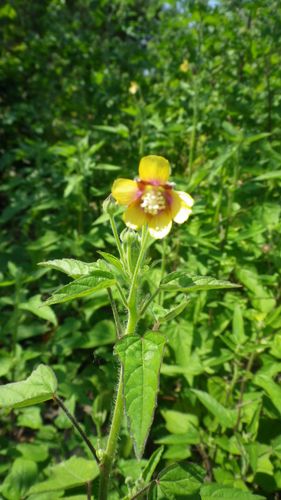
<point>115,314</point>
<point>108,457</point>
<point>109,454</point>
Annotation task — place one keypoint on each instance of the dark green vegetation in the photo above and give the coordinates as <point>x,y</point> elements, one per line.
<point>208,99</point>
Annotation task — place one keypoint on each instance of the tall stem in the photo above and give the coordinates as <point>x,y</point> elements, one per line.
<point>108,457</point>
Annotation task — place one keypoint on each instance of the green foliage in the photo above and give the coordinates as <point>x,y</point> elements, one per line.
<point>141,360</point>
<point>70,124</point>
<point>39,387</point>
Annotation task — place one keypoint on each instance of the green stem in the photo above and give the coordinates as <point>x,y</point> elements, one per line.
<point>117,321</point>
<point>108,457</point>
<point>109,454</point>
<point>116,235</point>
<point>151,298</point>
<point>144,239</point>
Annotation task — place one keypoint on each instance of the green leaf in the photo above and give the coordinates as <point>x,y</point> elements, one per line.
<point>82,287</point>
<point>261,297</point>
<point>38,387</point>
<point>71,267</point>
<point>181,479</point>
<point>31,451</point>
<point>185,283</point>
<point>226,417</point>
<point>184,424</point>
<point>174,311</point>
<point>152,464</point>
<point>69,474</point>
<point>274,174</point>
<point>238,325</point>
<point>141,358</point>
<point>114,261</point>
<point>22,475</point>
<point>34,305</point>
<point>272,389</point>
<point>216,491</point>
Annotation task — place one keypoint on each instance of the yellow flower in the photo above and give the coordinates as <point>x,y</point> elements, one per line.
<point>184,66</point>
<point>133,88</point>
<point>150,199</point>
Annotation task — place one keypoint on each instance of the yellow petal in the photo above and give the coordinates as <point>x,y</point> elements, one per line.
<point>154,169</point>
<point>125,191</point>
<point>134,217</point>
<point>160,225</point>
<point>175,203</point>
<point>185,209</point>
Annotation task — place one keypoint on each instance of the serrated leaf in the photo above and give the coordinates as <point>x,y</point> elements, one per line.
<point>82,287</point>
<point>181,479</point>
<point>69,474</point>
<point>225,416</point>
<point>185,283</point>
<point>216,491</point>
<point>71,267</point>
<point>141,358</point>
<point>38,387</point>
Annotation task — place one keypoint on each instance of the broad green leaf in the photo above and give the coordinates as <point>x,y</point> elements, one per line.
<point>178,422</point>
<point>34,305</point>
<point>180,479</point>
<point>216,491</point>
<point>261,297</point>
<point>225,416</point>
<point>30,417</point>
<point>69,474</point>
<point>38,387</point>
<point>82,287</point>
<point>71,267</point>
<point>187,283</point>
<point>152,464</point>
<point>272,389</point>
<point>31,451</point>
<point>22,475</point>
<point>141,358</point>
<point>238,325</point>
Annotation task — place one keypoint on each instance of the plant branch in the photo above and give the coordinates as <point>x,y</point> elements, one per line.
<point>140,493</point>
<point>77,426</point>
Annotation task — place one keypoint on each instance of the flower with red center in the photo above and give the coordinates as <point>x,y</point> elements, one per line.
<point>150,199</point>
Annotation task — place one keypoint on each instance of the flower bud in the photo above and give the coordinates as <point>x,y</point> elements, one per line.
<point>109,205</point>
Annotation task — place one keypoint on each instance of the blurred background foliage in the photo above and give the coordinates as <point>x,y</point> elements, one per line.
<point>87,88</point>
